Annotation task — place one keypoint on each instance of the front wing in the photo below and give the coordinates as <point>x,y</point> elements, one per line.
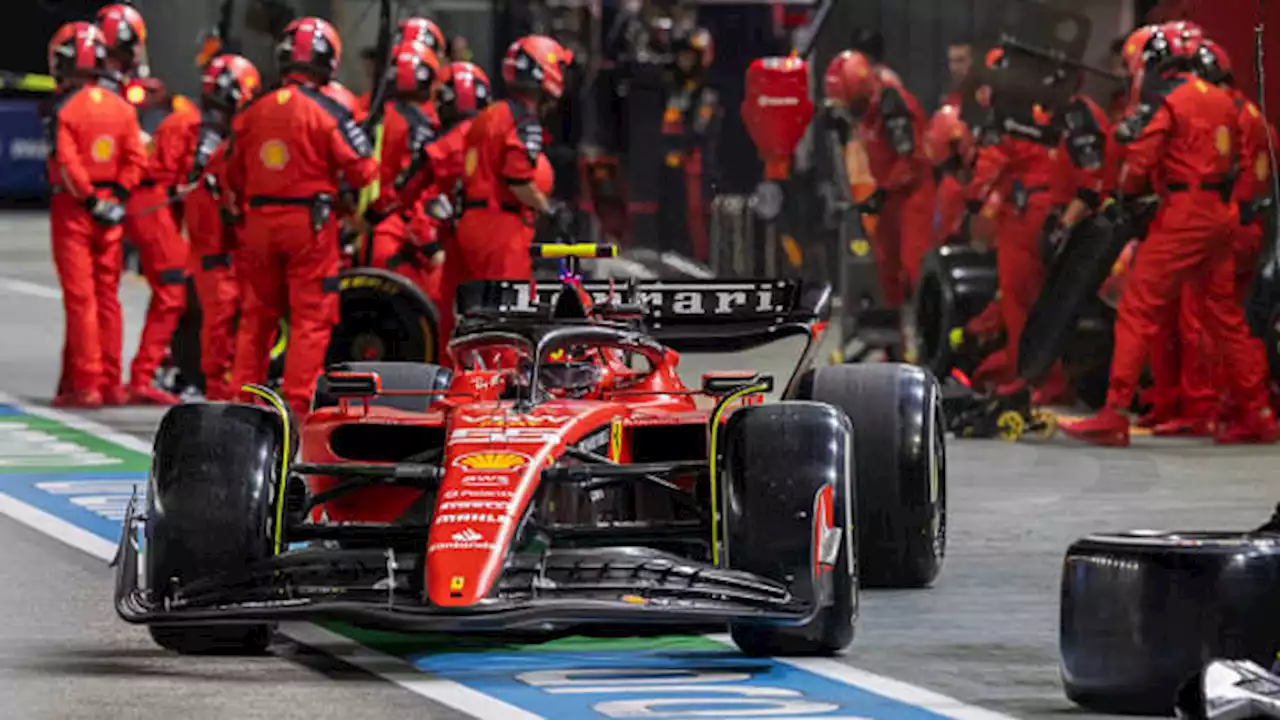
<point>374,588</point>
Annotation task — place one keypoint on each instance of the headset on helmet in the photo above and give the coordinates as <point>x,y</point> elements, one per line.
<point>416,69</point>
<point>77,50</point>
<point>536,63</point>
<point>125,35</point>
<point>421,30</point>
<point>1212,63</point>
<point>310,45</point>
<point>1132,51</point>
<point>229,82</point>
<point>465,91</point>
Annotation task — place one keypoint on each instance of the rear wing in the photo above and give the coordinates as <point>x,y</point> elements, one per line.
<point>698,316</point>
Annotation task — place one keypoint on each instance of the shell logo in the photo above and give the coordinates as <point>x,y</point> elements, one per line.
<point>1222,140</point>
<point>860,248</point>
<point>1260,167</point>
<point>274,154</point>
<point>103,149</point>
<point>469,163</point>
<point>95,95</point>
<point>283,96</point>
<point>492,461</point>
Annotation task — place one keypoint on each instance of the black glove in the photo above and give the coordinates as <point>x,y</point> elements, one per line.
<point>559,220</point>
<point>105,212</point>
<point>229,217</point>
<point>873,204</point>
<point>1051,237</point>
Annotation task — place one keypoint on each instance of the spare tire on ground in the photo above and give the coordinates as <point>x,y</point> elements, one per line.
<point>1144,611</point>
<point>956,283</point>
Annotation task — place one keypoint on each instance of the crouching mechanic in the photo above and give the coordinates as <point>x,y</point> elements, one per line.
<point>229,82</point>
<point>501,200</point>
<point>891,125</point>
<point>96,158</point>
<point>286,155</point>
<point>1189,140</point>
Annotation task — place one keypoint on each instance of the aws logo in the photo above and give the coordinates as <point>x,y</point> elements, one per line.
<point>492,461</point>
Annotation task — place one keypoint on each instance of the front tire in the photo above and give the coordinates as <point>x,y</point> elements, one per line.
<point>211,511</point>
<point>787,489</point>
<point>900,450</point>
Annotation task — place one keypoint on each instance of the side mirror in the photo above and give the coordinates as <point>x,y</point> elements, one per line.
<point>720,384</point>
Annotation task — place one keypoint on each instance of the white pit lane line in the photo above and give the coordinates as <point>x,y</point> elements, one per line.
<point>387,667</point>
<point>394,669</point>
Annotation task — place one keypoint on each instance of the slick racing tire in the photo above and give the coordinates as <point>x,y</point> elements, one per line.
<point>394,376</point>
<point>1070,291</point>
<point>788,501</point>
<point>211,510</point>
<point>956,283</point>
<point>1144,611</point>
<point>900,452</point>
<point>384,317</point>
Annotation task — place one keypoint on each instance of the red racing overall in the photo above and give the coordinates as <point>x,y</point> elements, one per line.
<point>1021,162</point>
<point>893,130</point>
<point>287,152</point>
<point>154,226</point>
<point>95,151</point>
<point>211,266</point>
<point>1190,143</point>
<point>503,145</point>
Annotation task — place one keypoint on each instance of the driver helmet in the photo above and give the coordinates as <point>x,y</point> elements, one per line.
<point>571,372</point>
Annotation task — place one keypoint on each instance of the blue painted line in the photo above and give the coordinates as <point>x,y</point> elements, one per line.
<point>6,410</point>
<point>73,476</point>
<point>60,506</point>
<point>585,685</point>
<point>767,687</point>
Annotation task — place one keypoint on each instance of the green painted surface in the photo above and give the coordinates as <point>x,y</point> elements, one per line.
<point>402,645</point>
<point>30,444</point>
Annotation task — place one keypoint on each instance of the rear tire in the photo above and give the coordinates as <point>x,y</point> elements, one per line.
<point>783,465</point>
<point>1143,612</point>
<point>210,511</point>
<point>384,317</point>
<point>900,450</point>
<point>956,283</point>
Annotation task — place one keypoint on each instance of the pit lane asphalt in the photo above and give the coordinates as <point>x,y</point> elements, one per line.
<point>986,634</point>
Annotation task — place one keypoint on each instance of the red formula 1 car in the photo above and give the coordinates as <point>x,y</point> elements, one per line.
<point>563,479</point>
